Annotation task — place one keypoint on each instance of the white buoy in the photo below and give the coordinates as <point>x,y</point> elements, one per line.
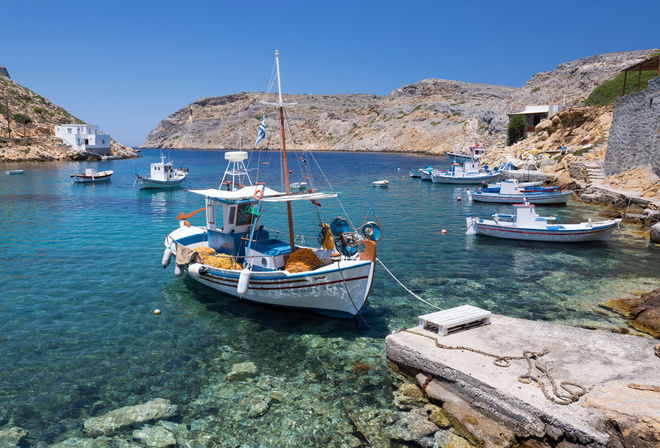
<point>243,282</point>
<point>157,312</point>
<point>178,270</point>
<point>167,257</point>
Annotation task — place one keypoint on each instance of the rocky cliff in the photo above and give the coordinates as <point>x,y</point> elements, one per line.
<point>431,116</point>
<point>27,125</point>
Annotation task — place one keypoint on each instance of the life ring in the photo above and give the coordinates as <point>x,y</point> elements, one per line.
<point>258,194</point>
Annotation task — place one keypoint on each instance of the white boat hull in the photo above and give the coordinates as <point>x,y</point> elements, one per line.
<point>570,233</point>
<point>467,179</point>
<point>337,290</point>
<point>561,198</point>
<point>147,184</point>
<point>82,178</point>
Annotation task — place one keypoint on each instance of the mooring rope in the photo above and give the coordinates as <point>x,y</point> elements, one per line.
<point>533,361</point>
<point>404,287</point>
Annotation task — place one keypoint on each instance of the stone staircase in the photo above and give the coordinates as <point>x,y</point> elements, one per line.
<point>594,171</point>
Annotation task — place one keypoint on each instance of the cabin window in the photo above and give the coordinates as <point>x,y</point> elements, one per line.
<point>244,217</point>
<point>232,215</point>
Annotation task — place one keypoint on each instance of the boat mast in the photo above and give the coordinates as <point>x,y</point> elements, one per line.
<point>284,161</point>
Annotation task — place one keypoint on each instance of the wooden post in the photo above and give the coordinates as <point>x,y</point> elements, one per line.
<point>625,78</point>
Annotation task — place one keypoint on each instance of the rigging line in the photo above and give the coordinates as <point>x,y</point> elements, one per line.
<point>404,287</point>
<point>358,311</point>
<point>332,189</point>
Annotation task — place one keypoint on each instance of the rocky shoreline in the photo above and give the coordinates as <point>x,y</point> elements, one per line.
<point>50,148</point>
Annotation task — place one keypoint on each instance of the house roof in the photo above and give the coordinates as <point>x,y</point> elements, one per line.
<point>532,110</point>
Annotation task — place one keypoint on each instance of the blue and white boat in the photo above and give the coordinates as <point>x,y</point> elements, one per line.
<point>465,173</point>
<point>510,192</point>
<point>236,255</point>
<point>475,153</point>
<point>426,173</point>
<point>525,224</point>
<point>162,177</point>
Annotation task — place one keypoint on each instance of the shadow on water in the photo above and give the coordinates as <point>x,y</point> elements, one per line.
<point>284,321</point>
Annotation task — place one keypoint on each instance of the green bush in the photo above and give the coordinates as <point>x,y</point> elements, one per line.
<point>515,130</point>
<point>607,92</point>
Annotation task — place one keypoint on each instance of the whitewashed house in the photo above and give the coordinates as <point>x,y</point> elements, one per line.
<point>85,137</point>
<point>534,114</point>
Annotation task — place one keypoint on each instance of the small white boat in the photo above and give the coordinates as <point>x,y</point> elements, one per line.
<point>525,224</point>
<point>510,192</point>
<point>475,153</point>
<point>465,173</point>
<point>415,174</point>
<point>426,173</point>
<point>380,183</point>
<point>237,255</point>
<point>91,176</point>
<point>298,186</point>
<point>162,177</point>
<point>15,172</point>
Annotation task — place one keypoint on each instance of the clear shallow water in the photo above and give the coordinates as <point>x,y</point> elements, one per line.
<point>81,276</point>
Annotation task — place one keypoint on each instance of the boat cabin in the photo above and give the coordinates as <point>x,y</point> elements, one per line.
<point>162,170</point>
<point>469,167</point>
<point>510,186</point>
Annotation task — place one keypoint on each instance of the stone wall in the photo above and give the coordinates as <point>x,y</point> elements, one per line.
<point>635,133</point>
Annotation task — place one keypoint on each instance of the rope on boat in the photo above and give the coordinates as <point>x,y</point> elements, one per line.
<point>404,287</point>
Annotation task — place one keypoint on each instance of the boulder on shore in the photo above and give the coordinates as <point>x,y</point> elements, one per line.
<point>643,311</point>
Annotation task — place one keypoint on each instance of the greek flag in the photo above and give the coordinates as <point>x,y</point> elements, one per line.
<point>262,131</point>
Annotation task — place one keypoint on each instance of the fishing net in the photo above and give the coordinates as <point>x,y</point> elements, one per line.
<point>221,261</point>
<point>302,260</point>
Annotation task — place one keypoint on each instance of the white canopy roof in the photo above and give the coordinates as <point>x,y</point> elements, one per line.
<point>269,195</point>
<point>237,195</point>
<point>300,197</point>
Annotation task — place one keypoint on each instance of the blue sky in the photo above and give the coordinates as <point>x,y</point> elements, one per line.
<point>126,65</point>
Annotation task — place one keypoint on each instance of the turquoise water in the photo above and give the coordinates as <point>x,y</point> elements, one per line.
<point>81,276</point>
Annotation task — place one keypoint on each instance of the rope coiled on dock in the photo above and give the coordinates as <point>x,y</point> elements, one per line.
<point>565,397</point>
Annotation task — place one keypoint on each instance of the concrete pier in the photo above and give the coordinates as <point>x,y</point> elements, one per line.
<point>620,373</point>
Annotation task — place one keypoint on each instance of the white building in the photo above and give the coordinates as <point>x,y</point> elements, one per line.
<point>85,137</point>
<point>534,114</point>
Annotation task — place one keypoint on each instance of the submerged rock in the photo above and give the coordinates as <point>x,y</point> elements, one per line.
<point>11,437</point>
<point>409,396</point>
<point>412,426</point>
<point>242,371</point>
<point>129,417</point>
<point>155,436</point>
<point>655,233</point>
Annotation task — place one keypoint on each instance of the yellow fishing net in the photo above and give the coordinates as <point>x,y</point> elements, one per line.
<point>302,260</point>
<point>221,261</point>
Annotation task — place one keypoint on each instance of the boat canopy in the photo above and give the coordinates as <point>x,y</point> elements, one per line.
<point>237,195</point>
<point>269,195</point>
<point>300,197</point>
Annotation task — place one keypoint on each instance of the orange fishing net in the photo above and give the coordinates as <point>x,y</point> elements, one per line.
<point>208,256</point>
<point>302,260</point>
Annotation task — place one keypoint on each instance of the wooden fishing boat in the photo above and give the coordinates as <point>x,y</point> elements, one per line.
<point>91,176</point>
<point>162,177</point>
<point>475,153</point>
<point>465,173</point>
<point>525,224</point>
<point>510,192</point>
<point>236,255</point>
